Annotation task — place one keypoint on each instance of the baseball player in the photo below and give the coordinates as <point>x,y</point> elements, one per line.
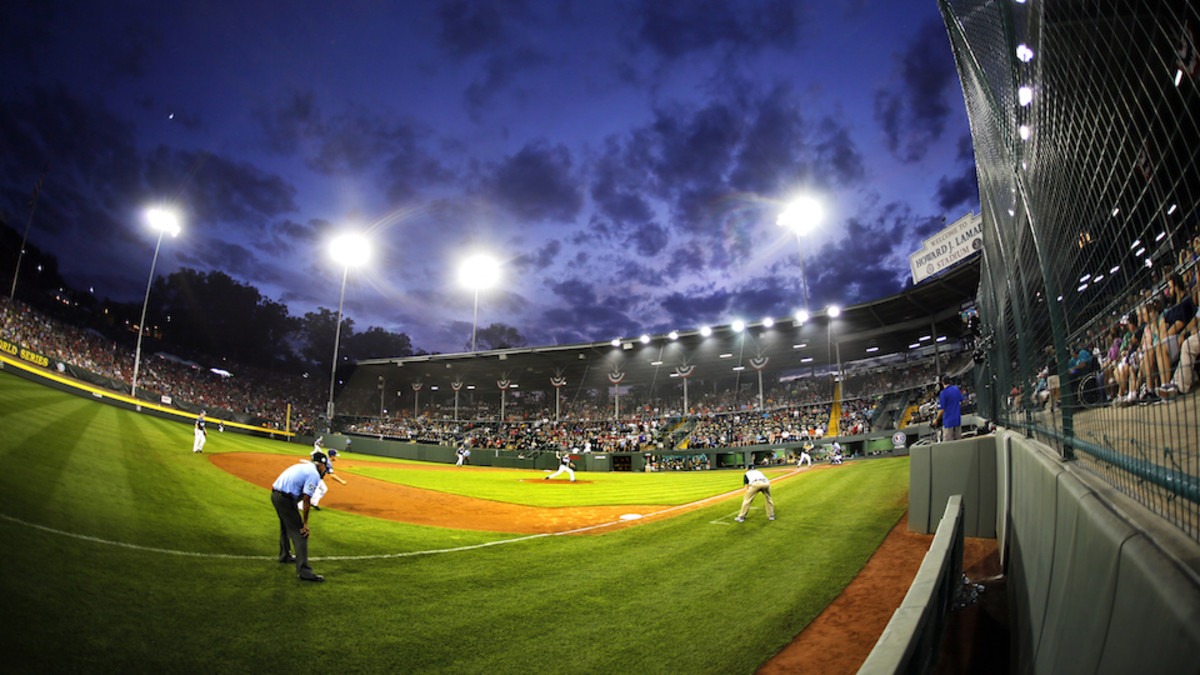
<point>804,456</point>
<point>199,435</point>
<point>835,456</point>
<point>327,460</point>
<point>756,482</point>
<point>564,464</point>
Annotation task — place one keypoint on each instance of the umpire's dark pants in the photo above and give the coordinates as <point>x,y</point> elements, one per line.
<point>290,523</point>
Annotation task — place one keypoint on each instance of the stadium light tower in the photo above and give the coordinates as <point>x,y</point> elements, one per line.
<point>166,222</point>
<point>348,250</point>
<point>480,271</point>
<point>801,216</point>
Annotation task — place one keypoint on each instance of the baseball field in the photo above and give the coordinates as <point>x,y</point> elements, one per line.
<point>125,551</point>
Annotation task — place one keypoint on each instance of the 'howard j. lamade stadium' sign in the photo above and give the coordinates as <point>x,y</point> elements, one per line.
<point>954,243</point>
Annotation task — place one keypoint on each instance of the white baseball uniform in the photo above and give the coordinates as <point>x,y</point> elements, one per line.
<point>564,464</point>
<point>199,436</point>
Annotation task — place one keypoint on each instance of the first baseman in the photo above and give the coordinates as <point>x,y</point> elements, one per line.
<point>756,482</point>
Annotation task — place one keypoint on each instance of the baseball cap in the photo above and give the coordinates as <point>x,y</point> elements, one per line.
<point>333,452</point>
<point>319,457</point>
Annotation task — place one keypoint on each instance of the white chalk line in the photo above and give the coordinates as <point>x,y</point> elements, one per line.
<point>375,556</point>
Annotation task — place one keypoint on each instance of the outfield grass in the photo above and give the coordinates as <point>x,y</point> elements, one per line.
<point>125,551</point>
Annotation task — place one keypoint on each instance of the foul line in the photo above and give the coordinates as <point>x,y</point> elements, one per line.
<point>377,556</point>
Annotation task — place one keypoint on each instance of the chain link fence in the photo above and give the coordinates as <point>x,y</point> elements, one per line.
<point>1086,126</point>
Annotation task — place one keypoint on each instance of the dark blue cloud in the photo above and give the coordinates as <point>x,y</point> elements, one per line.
<point>959,192</point>
<point>649,239</point>
<point>500,71</point>
<point>540,259</point>
<point>914,114</point>
<point>536,184</point>
<point>218,189</point>
<point>471,27</point>
<point>675,29</point>
<point>871,260</point>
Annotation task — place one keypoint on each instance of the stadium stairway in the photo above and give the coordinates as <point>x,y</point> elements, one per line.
<point>835,411</point>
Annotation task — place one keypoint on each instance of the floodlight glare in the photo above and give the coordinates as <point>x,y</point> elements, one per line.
<point>705,331</point>
<point>645,339</point>
<point>1025,96</point>
<point>479,271</point>
<point>673,335</point>
<point>802,316</point>
<point>163,220</point>
<point>738,326</point>
<point>616,342</point>
<point>350,250</point>
<point>768,322</point>
<point>801,216</point>
<point>833,311</point>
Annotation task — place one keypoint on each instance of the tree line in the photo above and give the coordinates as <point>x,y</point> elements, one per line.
<point>212,314</point>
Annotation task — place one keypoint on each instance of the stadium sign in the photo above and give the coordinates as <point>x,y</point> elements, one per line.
<point>956,242</point>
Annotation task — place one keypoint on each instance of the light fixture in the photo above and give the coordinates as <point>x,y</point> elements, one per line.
<point>1024,96</point>
<point>616,342</point>
<point>1024,53</point>
<point>1023,130</point>
<point>705,331</point>
<point>645,339</point>
<point>738,326</point>
<point>802,316</point>
<point>673,335</point>
<point>833,311</point>
<point>768,322</point>
<point>872,350</point>
<point>478,272</point>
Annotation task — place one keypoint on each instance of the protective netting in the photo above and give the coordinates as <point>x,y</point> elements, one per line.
<point>1084,117</point>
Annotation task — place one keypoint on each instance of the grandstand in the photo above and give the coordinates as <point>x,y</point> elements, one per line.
<point>667,375</point>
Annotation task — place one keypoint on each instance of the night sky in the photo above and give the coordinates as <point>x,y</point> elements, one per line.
<point>626,160</point>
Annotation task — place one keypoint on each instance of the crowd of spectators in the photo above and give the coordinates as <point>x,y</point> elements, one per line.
<point>791,410</point>
<point>1148,354</point>
<point>241,390</point>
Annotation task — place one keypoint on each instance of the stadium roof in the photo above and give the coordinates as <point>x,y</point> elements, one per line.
<point>919,315</point>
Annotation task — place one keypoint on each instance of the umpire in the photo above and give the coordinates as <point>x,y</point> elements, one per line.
<point>297,485</point>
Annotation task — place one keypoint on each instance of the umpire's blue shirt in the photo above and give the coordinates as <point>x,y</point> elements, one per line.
<point>298,479</point>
